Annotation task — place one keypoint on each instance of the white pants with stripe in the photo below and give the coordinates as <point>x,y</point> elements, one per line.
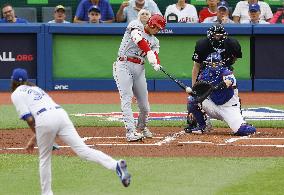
<point>230,112</point>
<point>131,81</point>
<point>56,122</point>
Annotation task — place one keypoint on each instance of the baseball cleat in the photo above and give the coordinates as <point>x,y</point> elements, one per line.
<point>147,133</point>
<point>134,136</point>
<point>55,146</point>
<point>198,129</point>
<point>121,170</point>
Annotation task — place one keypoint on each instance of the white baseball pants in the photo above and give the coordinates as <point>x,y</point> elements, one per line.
<point>55,122</point>
<point>230,112</point>
<point>131,81</point>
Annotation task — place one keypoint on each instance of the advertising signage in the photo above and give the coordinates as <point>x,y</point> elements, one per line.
<point>18,51</point>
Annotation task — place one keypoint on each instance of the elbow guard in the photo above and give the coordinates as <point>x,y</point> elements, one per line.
<point>136,36</point>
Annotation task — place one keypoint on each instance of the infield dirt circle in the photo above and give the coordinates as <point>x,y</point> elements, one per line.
<point>167,141</point>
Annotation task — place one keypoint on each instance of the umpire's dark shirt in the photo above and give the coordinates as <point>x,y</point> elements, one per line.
<point>230,49</point>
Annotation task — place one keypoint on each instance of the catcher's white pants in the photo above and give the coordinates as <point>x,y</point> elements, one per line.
<point>131,81</point>
<point>230,112</point>
<point>56,122</point>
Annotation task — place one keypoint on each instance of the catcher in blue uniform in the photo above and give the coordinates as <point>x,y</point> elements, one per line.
<point>222,102</point>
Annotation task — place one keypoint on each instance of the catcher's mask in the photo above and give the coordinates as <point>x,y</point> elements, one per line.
<point>157,20</point>
<point>214,60</point>
<point>217,35</point>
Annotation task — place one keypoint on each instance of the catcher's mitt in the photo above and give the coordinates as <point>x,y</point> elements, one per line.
<point>201,90</point>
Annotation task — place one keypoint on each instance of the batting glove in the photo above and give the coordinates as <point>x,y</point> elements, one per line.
<point>151,57</point>
<point>157,67</point>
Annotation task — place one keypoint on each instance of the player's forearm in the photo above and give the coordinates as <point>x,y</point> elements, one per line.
<point>77,20</point>
<point>195,71</point>
<point>236,19</point>
<point>119,15</point>
<point>31,122</point>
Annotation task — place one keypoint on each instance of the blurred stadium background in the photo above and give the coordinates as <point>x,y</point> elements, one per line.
<point>162,4</point>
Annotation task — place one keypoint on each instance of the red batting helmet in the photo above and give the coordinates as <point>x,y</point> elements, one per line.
<point>157,20</point>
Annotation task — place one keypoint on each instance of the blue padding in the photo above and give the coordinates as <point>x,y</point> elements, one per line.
<point>41,81</point>
<point>90,84</point>
<point>244,85</point>
<point>112,29</point>
<point>201,29</point>
<point>5,84</point>
<point>271,29</point>
<point>119,29</point>
<point>241,29</point>
<point>20,28</point>
<point>269,85</point>
<point>169,85</point>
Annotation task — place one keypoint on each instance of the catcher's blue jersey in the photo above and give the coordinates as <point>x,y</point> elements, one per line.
<point>214,75</point>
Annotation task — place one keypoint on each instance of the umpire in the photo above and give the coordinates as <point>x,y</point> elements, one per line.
<point>217,40</point>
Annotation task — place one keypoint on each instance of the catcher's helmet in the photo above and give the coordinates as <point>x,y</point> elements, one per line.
<point>217,35</point>
<point>214,60</point>
<point>157,20</point>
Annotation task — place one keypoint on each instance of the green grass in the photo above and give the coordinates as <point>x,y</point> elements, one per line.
<point>9,119</point>
<point>165,176</point>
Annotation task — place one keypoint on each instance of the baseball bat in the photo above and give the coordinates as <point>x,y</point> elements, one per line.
<point>178,82</point>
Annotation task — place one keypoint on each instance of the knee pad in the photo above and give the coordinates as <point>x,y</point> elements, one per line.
<point>191,104</point>
<point>193,107</point>
<point>245,129</point>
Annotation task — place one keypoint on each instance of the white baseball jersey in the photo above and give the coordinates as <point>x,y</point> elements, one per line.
<point>51,122</point>
<point>30,100</point>
<point>186,15</point>
<point>242,7</point>
<point>129,48</point>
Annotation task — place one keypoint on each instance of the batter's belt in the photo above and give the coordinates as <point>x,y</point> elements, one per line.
<point>131,59</point>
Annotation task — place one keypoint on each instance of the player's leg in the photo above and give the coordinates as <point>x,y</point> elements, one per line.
<point>231,113</point>
<point>194,108</point>
<point>69,135</point>
<point>212,111</point>
<point>141,93</point>
<point>45,139</point>
<point>124,81</point>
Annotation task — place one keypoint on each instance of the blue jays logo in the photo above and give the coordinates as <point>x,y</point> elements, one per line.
<point>37,94</point>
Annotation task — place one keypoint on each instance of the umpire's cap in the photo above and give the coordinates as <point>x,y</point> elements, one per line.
<point>19,74</point>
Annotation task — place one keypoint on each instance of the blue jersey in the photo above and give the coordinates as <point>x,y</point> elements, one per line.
<point>215,76</point>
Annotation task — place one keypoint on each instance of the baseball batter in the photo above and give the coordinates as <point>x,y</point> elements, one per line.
<point>223,103</point>
<point>48,120</point>
<point>138,43</point>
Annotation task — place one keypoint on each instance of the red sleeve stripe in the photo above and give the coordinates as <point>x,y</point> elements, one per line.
<point>143,45</point>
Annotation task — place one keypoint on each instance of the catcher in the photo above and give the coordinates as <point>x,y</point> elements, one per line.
<point>216,93</point>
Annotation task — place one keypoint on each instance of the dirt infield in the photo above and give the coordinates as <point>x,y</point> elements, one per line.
<point>167,141</point>
<point>106,97</point>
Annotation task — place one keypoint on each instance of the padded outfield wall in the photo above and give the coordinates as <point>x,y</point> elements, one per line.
<point>80,57</point>
<point>83,57</point>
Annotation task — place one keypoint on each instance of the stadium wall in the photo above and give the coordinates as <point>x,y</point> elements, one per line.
<point>80,57</point>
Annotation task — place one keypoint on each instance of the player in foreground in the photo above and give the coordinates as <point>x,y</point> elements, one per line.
<point>137,44</point>
<point>48,120</point>
<point>223,103</point>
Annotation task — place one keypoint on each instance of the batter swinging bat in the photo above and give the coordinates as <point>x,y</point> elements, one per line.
<point>178,82</point>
